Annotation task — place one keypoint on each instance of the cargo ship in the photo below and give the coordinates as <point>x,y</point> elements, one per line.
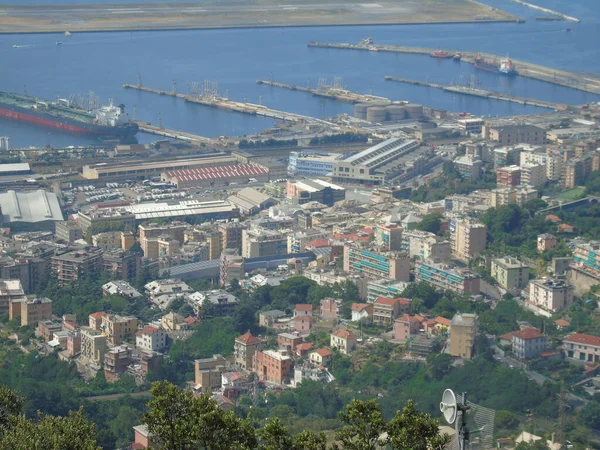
<point>106,121</point>
<point>506,66</point>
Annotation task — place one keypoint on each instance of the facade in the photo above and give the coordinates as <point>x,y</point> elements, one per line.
<point>72,266</point>
<point>463,331</point>
<point>68,231</point>
<point>388,237</point>
<point>10,290</point>
<point>93,345</point>
<point>426,245</point>
<point>510,273</point>
<point>272,367</point>
<point>362,311</point>
<point>121,264</point>
<point>508,176</point>
<point>244,348</point>
<point>208,373</point>
<point>116,361</point>
<point>320,356</point>
<point>151,338</point>
<point>459,280</point>
<point>109,240</point>
<point>550,294</point>
<point>468,238</point>
<point>231,267</point>
<point>306,191</point>
<point>289,341</point>
<point>260,242</point>
<point>470,167</point>
<point>310,164</point>
<point>330,308</point>
<point>528,343</point>
<point>471,126</point>
<point>587,258</point>
<point>547,242</point>
<point>376,264</point>
<point>533,175</point>
<point>231,234</point>
<point>575,171</point>
<point>345,341</point>
<point>582,347</point>
<point>406,326</point>
<point>117,328</point>
<point>514,194</point>
<point>514,134</point>
<point>385,310</point>
<point>299,240</point>
<point>31,309</point>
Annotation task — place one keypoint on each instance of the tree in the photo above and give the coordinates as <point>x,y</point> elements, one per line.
<point>506,420</point>
<point>439,365</point>
<point>11,404</point>
<point>363,426</point>
<point>590,415</point>
<point>430,223</point>
<point>411,429</point>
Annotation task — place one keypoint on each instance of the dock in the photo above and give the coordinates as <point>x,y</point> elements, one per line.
<point>560,77</point>
<point>464,90</point>
<point>173,134</point>
<point>341,95</point>
<point>548,11</point>
<point>226,104</point>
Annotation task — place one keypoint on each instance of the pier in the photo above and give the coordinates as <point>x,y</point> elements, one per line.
<point>228,105</point>
<point>329,92</point>
<point>548,11</point>
<point>524,69</point>
<point>484,94</point>
<point>173,134</point>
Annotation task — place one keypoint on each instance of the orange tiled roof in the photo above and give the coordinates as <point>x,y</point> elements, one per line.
<point>586,339</point>
<point>247,338</point>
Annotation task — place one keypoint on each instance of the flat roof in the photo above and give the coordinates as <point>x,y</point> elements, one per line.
<point>15,167</point>
<point>30,207</point>
<point>156,165</point>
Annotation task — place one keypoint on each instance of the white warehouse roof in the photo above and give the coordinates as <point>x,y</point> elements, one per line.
<point>30,206</point>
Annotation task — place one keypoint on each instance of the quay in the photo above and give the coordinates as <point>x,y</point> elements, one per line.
<point>174,134</point>
<point>548,11</point>
<point>484,94</point>
<point>329,92</point>
<point>561,77</point>
<point>226,104</point>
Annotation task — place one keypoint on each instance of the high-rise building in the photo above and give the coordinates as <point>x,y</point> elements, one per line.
<point>257,242</point>
<point>75,265</point>
<point>463,332</point>
<point>4,143</point>
<point>376,264</point>
<point>231,234</point>
<point>533,175</point>
<point>389,236</point>
<point>468,237</point>
<point>508,176</point>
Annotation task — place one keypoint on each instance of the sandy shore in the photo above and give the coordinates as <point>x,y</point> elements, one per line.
<point>228,14</point>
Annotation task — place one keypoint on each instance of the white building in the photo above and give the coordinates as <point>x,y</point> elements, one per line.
<point>550,294</point>
<point>4,143</point>
<point>471,126</point>
<point>151,338</point>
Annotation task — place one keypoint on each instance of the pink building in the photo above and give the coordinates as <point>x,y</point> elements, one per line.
<point>546,242</point>
<point>406,326</point>
<point>303,309</point>
<point>73,344</point>
<point>302,324</point>
<point>329,308</point>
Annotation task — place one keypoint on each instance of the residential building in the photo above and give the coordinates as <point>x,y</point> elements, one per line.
<point>463,331</point>
<point>587,258</point>
<point>546,242</point>
<point>121,288</point>
<point>221,302</point>
<point>95,320</point>
<point>77,264</point>
<point>406,326</point>
<point>173,322</point>
<point>506,156</point>
<point>231,234</point>
<point>299,240</point>
<point>575,171</point>
<point>388,237</point>
<point>582,347</point>
<point>47,328</point>
<point>289,341</point>
<point>362,311</point>
<point>426,245</point>
<point>244,348</point>
<point>93,345</point>
<point>554,167</point>
<point>272,367</point>
<point>10,290</point>
<point>309,164</point>
<point>151,338</point>
<point>154,230</point>
<point>376,264</point>
<point>330,308</point>
<point>31,309</point>
<point>257,242</point>
<point>320,356</point>
<point>303,324</point>
<point>345,341</point>
<point>468,237</point>
<point>510,273</point>
<point>385,310</point>
<point>108,240</point>
<point>267,318</point>
<point>116,361</point>
<point>303,309</point>
<point>74,344</point>
<point>122,264</point>
<point>311,371</point>
<point>514,194</point>
<point>514,134</point>
<point>508,176</point>
<point>163,292</point>
<point>208,373</point>
<point>231,267</point>
<point>533,175</point>
<point>550,294</point>
<point>470,167</point>
<point>68,231</point>
<point>443,276</point>
<point>528,343</point>
<point>381,288</point>
<point>471,126</point>
<point>117,328</point>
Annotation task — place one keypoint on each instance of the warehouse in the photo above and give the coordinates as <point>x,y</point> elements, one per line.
<point>34,207</point>
<point>215,176</point>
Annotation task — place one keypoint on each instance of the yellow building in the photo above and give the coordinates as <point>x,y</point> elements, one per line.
<point>31,310</point>
<point>463,330</point>
<point>510,273</point>
<point>117,328</point>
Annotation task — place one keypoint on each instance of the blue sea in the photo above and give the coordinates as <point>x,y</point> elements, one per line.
<point>236,58</point>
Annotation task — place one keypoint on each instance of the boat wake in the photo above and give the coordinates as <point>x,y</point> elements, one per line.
<point>22,46</point>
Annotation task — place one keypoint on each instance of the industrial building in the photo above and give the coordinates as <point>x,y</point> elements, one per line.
<point>305,191</point>
<point>310,164</point>
<point>15,169</point>
<point>392,161</point>
<point>215,175</point>
<point>250,201</point>
<point>33,207</point>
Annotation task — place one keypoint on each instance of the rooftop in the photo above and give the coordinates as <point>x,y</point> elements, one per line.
<point>586,339</point>
<point>30,207</point>
<point>528,333</point>
<point>215,172</point>
<point>247,339</point>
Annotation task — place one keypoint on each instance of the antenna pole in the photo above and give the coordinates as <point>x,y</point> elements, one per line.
<point>463,432</point>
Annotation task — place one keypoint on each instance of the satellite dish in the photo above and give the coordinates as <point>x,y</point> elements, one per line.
<point>448,406</point>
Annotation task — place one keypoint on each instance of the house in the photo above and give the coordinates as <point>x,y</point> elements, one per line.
<point>116,361</point>
<point>405,327</point>
<point>303,349</point>
<point>267,318</point>
<point>528,343</point>
<point>289,341</point>
<point>321,356</point>
<point>208,372</point>
<point>553,218</point>
<point>303,309</point>
<point>271,366</point>
<point>330,308</point>
<point>173,322</point>
<point>310,371</point>
<point>442,324</point>
<point>582,347</point>
<point>561,324</point>
<point>566,228</point>
<point>302,324</point>
<point>244,348</point>
<point>345,341</point>
<point>385,310</point>
<point>545,242</point>
<point>151,338</point>
<point>362,311</point>
<point>142,437</point>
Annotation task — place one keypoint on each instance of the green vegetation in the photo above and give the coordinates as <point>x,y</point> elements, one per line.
<point>245,144</point>
<point>572,194</point>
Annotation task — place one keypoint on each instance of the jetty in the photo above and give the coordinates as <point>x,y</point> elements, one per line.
<point>465,90</point>
<point>334,93</point>
<point>560,77</point>
<point>548,11</point>
<point>173,134</point>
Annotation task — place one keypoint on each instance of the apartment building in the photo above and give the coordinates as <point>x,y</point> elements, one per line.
<point>345,341</point>
<point>468,237</point>
<point>582,347</point>
<point>587,258</point>
<point>385,310</point>
<point>232,267</point>
<point>10,290</point>
<point>117,328</point>
<point>208,373</point>
<point>121,264</point>
<point>470,167</point>
<point>77,264</point>
<point>426,245</point>
<point>231,234</point>
<point>108,240</point>
<point>257,242</point>
<point>273,367</point>
<point>116,361</point>
<point>545,242</point>
<point>533,175</point>
<point>550,294</point>
<point>151,339</point>
<point>443,276</point>
<point>510,273</point>
<point>528,343</point>
<point>68,231</point>
<point>507,195</point>
<point>298,240</point>
<point>31,309</point>
<point>388,237</point>
<point>244,348</point>
<point>463,331</point>
<point>93,345</point>
<point>576,170</point>
<point>376,264</point>
<point>508,176</point>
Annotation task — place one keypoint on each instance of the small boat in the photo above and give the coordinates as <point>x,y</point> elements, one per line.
<point>457,57</point>
<point>67,33</point>
<point>58,42</point>
<point>440,54</point>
